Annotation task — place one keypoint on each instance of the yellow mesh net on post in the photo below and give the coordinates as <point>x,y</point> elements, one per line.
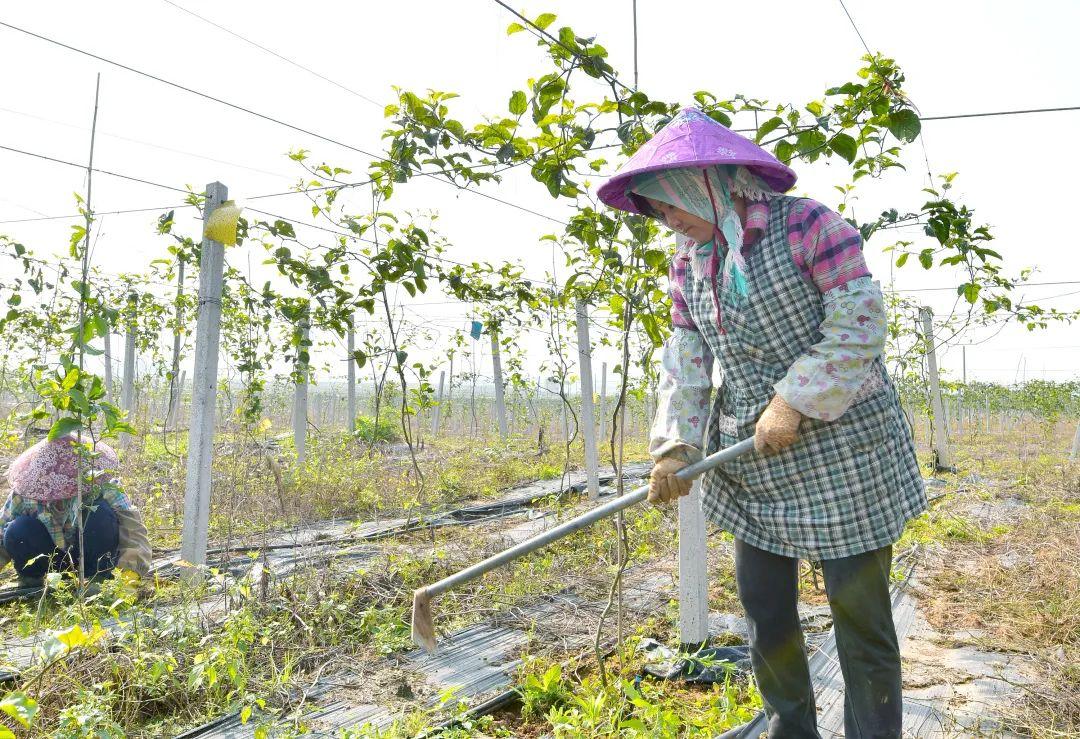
<point>221,225</point>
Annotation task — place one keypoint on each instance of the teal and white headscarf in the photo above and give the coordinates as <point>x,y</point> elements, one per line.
<point>706,193</point>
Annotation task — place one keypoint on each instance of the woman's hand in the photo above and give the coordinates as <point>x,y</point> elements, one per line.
<point>664,487</point>
<point>778,427</point>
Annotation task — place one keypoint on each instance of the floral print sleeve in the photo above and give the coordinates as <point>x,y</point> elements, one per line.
<point>824,382</point>
<point>683,397</point>
<point>685,381</point>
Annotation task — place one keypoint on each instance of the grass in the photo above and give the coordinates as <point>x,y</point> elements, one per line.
<point>573,701</point>
<point>262,649</point>
<point>173,664</point>
<point>258,488</point>
<point>1007,566</point>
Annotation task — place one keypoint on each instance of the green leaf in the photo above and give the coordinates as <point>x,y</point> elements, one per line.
<point>765,128</point>
<point>902,259</point>
<point>970,291</point>
<point>720,117</point>
<point>545,19</point>
<point>848,88</point>
<point>939,229</point>
<point>926,258</point>
<point>845,146</point>
<point>245,714</point>
<point>63,426</point>
<point>904,124</point>
<point>514,28</point>
<point>655,258</point>
<point>78,399</point>
<point>518,103</point>
<point>784,150</point>
<point>20,707</point>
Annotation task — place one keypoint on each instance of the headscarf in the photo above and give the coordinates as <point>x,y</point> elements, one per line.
<point>707,193</point>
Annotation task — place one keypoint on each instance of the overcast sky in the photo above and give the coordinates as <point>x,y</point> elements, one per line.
<point>959,57</point>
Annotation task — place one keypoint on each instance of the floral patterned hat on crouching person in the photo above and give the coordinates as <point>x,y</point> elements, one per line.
<point>49,470</point>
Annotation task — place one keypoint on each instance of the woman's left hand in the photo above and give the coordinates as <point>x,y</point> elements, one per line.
<point>778,427</point>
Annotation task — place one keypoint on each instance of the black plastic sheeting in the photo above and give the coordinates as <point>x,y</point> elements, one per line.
<point>9,594</point>
<point>703,667</point>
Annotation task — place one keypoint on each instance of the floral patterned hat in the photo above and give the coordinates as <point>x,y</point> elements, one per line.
<point>693,139</point>
<point>48,471</point>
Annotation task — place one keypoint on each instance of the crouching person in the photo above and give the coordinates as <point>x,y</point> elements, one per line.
<point>40,521</point>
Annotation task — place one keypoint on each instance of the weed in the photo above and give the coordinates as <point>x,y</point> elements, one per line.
<point>372,432</point>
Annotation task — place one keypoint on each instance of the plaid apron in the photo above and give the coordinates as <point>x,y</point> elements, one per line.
<point>846,486</point>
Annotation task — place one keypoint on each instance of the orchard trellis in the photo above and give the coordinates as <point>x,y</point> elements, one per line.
<point>343,286</point>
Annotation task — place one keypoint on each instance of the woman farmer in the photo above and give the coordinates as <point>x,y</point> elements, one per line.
<point>776,291</point>
<point>39,523</point>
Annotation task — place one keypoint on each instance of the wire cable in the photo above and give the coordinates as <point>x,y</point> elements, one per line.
<point>584,60</point>
<point>271,119</point>
<point>273,53</point>
<point>998,113</point>
<point>147,144</point>
<point>94,169</point>
<point>354,237</point>
<point>1017,285</point>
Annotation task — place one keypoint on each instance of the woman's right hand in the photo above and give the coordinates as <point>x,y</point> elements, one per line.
<point>664,487</point>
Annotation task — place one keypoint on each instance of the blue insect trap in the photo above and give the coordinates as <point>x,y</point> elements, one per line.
<point>476,330</point>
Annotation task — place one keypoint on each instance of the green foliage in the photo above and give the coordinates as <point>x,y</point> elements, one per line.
<point>88,717</point>
<point>626,707</point>
<point>20,707</point>
<point>936,527</point>
<point>542,692</point>
<point>370,431</point>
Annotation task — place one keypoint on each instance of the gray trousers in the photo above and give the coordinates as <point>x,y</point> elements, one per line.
<point>866,645</point>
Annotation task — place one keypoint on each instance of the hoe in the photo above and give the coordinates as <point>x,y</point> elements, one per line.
<point>423,626</point>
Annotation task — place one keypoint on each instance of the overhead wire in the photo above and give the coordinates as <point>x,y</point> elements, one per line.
<point>584,60</point>
<point>363,151</point>
<point>999,113</point>
<point>94,169</point>
<point>148,144</point>
<point>283,58</point>
<point>870,54</point>
<point>271,119</point>
<point>953,289</point>
<point>354,237</point>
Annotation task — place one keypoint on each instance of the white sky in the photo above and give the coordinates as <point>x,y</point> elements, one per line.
<point>959,58</point>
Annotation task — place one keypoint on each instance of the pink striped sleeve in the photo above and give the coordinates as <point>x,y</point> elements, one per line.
<point>826,248</point>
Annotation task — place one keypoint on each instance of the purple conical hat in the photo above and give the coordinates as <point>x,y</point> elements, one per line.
<point>693,139</point>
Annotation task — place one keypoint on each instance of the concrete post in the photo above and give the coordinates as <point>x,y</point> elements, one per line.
<point>438,405</point>
<point>127,389</point>
<point>204,392</point>
<point>941,438</point>
<point>300,395</point>
<point>108,366</point>
<point>603,404</point>
<point>500,401</point>
<point>351,377</point>
<point>588,417</point>
<point>693,572</point>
